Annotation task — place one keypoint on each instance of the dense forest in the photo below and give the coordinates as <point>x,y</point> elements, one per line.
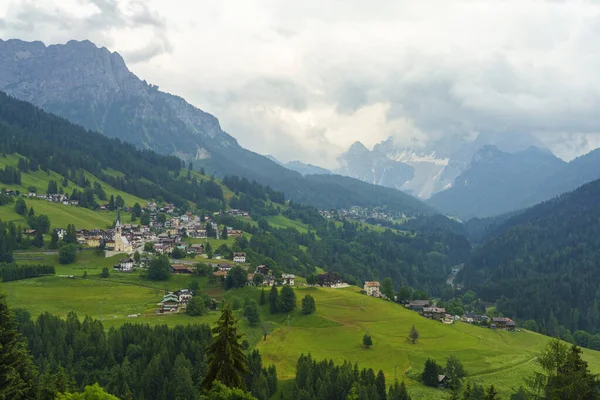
<point>543,264</point>
<point>132,362</point>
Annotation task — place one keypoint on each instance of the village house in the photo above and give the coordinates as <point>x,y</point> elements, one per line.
<point>224,267</point>
<point>418,305</point>
<point>262,269</point>
<point>181,269</point>
<point>330,279</point>
<point>239,257</point>
<point>372,289</point>
<point>196,249</point>
<point>184,295</point>
<point>288,279</point>
<point>169,303</point>
<point>126,264</point>
<point>234,233</point>
<point>504,323</point>
<point>222,274</point>
<point>269,280</point>
<point>93,241</point>
<point>435,313</point>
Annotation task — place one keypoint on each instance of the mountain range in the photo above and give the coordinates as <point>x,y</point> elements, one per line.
<point>93,87</point>
<point>490,175</point>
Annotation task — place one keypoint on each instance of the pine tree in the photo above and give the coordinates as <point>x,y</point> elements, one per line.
<point>31,212</point>
<point>263,299</point>
<point>287,299</point>
<point>380,385</point>
<point>227,361</point>
<point>38,240</point>
<point>430,373</point>
<point>111,203</point>
<point>273,300</point>
<point>308,305</point>
<point>413,335</point>
<point>491,394</point>
<point>18,375</point>
<point>367,341</point>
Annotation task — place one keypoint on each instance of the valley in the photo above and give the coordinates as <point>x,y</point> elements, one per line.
<point>145,254</point>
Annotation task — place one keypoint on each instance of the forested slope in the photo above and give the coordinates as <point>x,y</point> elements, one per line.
<point>543,265</point>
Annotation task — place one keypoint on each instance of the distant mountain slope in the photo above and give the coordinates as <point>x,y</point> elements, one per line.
<point>434,165</point>
<point>93,87</point>
<point>306,169</point>
<point>497,182</point>
<point>543,263</point>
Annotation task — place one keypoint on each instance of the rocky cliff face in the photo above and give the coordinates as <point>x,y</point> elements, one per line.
<point>94,88</point>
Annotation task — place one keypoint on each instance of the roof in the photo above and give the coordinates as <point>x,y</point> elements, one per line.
<point>435,310</point>
<point>502,319</point>
<point>287,276</point>
<point>419,303</point>
<point>239,254</point>
<point>372,284</point>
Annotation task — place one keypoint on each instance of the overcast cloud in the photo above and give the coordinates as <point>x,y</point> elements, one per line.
<point>304,80</point>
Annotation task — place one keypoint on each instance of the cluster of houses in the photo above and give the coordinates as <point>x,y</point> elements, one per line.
<point>361,214</point>
<point>428,310</point>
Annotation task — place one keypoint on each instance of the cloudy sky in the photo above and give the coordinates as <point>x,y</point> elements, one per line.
<point>305,79</point>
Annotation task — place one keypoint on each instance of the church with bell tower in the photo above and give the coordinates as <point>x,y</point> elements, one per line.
<point>122,245</point>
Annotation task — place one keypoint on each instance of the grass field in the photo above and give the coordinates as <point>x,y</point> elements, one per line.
<point>61,215</point>
<point>279,221</point>
<point>335,331</point>
<point>40,179</point>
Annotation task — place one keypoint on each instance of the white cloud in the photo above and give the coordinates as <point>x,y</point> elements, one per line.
<point>303,80</point>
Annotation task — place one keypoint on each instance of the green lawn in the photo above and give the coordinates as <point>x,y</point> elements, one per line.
<point>61,215</point>
<point>335,331</point>
<point>279,221</point>
<point>40,179</point>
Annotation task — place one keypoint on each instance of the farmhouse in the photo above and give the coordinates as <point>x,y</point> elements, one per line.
<point>181,269</point>
<point>220,273</point>
<point>418,305</point>
<point>262,269</point>
<point>94,241</point>
<point>126,264</point>
<point>288,279</point>
<point>372,289</point>
<point>184,295</point>
<point>169,302</point>
<point>329,279</point>
<point>504,323</point>
<point>435,313</point>
<point>239,257</point>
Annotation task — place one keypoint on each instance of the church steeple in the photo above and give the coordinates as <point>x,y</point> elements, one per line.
<point>118,223</point>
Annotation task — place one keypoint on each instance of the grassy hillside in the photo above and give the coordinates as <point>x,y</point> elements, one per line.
<point>335,331</point>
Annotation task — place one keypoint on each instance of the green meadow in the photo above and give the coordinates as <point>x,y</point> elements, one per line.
<point>334,332</point>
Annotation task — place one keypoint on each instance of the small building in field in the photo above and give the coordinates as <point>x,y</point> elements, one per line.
<point>504,323</point>
<point>126,264</point>
<point>330,279</point>
<point>372,289</point>
<point>239,257</point>
<point>181,269</point>
<point>435,313</point>
<point>170,302</point>
<point>288,279</point>
<point>221,274</point>
<point>418,305</point>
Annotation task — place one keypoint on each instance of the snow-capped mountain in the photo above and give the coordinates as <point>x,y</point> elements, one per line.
<point>424,170</point>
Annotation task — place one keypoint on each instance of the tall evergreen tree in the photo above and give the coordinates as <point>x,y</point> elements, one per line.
<point>430,373</point>
<point>287,299</point>
<point>227,361</point>
<point>380,385</point>
<point>273,300</point>
<point>18,374</point>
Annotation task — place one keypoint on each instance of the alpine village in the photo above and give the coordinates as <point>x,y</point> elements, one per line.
<point>146,254</point>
